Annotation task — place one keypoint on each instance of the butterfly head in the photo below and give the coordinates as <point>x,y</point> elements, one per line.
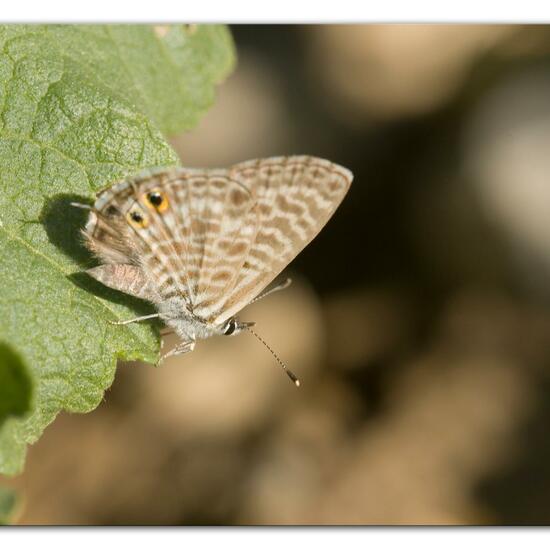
<point>233,326</point>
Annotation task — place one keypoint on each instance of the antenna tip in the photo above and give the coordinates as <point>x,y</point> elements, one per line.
<point>293,377</point>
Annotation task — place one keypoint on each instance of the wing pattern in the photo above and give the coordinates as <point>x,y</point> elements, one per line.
<point>217,237</point>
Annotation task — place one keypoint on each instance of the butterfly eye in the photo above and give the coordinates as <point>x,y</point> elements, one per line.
<point>136,218</point>
<point>230,327</point>
<point>157,200</point>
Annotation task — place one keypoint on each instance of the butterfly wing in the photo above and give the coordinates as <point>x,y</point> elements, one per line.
<point>294,198</point>
<point>216,237</point>
<point>189,242</point>
<point>216,222</point>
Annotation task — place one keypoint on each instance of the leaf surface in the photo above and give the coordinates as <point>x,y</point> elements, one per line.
<point>80,108</point>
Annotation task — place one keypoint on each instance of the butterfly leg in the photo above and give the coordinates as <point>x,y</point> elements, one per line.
<point>136,320</point>
<point>183,347</point>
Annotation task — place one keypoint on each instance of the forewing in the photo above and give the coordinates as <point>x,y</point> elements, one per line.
<point>295,197</point>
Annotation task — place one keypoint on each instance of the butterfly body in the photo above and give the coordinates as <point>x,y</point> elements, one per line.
<point>175,314</point>
<point>203,244</point>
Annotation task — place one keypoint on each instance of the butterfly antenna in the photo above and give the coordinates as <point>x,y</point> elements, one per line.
<point>288,372</point>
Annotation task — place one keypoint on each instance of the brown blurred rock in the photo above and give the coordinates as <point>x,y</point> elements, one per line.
<point>450,421</point>
<point>300,456</point>
<point>367,325</point>
<point>505,152</point>
<point>385,71</point>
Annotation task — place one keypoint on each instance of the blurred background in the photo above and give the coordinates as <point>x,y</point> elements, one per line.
<point>418,321</point>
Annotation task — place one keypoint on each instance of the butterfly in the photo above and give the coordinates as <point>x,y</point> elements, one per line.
<point>201,244</point>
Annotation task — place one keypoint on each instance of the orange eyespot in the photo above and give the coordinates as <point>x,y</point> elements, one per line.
<point>157,199</point>
<point>136,218</point>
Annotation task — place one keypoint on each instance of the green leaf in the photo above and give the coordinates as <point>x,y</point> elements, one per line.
<point>15,384</point>
<point>8,505</point>
<point>81,107</point>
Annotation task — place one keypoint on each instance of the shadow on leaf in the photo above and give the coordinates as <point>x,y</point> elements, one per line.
<point>63,223</point>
